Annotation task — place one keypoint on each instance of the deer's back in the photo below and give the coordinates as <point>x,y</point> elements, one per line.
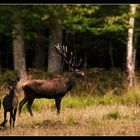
<point>45,88</point>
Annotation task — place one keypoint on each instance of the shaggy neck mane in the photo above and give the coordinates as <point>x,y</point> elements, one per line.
<point>70,80</point>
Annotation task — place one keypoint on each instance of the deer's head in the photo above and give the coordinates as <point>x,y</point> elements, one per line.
<point>12,83</point>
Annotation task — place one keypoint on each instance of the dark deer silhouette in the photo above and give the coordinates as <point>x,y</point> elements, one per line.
<point>10,103</point>
<point>55,88</point>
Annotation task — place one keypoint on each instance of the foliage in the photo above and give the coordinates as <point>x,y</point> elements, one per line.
<point>5,75</point>
<point>94,19</point>
<point>87,28</point>
<point>5,21</point>
<point>99,81</point>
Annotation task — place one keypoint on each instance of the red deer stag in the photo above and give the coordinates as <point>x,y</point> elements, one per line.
<point>10,102</point>
<point>55,88</point>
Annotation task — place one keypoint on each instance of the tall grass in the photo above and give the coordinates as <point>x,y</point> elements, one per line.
<point>132,97</point>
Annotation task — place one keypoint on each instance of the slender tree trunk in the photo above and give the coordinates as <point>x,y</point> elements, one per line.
<point>19,48</point>
<point>85,59</point>
<point>0,67</point>
<point>111,55</point>
<point>54,60</point>
<point>131,51</point>
<point>40,48</point>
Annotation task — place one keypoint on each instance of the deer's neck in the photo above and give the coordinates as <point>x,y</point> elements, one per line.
<point>71,80</point>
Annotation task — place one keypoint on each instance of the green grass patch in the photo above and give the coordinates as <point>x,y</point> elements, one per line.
<point>132,97</point>
<point>38,104</point>
<point>84,101</point>
<point>77,101</point>
<point>106,100</point>
<point>114,114</point>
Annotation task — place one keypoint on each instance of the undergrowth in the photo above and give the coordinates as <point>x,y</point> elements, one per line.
<point>98,87</point>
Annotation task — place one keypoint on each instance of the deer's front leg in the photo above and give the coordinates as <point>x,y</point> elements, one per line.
<point>58,104</point>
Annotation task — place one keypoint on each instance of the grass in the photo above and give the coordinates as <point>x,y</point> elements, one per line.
<point>86,121</point>
<point>70,120</point>
<point>37,105</point>
<point>80,115</point>
<point>97,106</point>
<point>114,114</point>
<point>131,98</point>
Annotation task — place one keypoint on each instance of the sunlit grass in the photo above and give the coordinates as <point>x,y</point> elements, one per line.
<point>91,108</point>
<point>38,104</point>
<point>93,119</point>
<point>132,97</point>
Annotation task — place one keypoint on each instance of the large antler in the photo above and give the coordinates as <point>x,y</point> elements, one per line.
<point>63,51</point>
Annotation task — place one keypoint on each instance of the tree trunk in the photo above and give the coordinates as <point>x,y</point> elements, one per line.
<point>131,51</point>
<point>18,47</point>
<point>0,67</point>
<point>111,55</point>
<point>40,48</point>
<point>85,64</point>
<point>54,60</point>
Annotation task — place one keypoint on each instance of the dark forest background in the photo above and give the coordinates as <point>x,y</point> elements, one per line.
<point>96,33</point>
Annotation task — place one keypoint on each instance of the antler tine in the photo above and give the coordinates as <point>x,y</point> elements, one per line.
<point>63,51</point>
<point>71,57</point>
<point>79,63</point>
<point>69,61</point>
<point>60,50</point>
<point>74,61</point>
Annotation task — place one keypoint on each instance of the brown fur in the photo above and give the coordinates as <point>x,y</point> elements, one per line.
<point>10,103</point>
<point>51,89</point>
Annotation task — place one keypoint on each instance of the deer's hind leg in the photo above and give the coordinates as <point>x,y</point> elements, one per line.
<point>29,104</point>
<point>11,118</point>
<point>5,121</point>
<point>14,116</point>
<point>22,103</point>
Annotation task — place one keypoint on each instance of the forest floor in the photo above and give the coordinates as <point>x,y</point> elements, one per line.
<point>93,120</point>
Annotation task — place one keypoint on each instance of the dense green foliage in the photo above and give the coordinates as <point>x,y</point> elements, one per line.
<point>96,31</point>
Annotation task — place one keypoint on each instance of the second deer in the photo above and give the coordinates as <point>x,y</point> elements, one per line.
<point>10,103</point>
